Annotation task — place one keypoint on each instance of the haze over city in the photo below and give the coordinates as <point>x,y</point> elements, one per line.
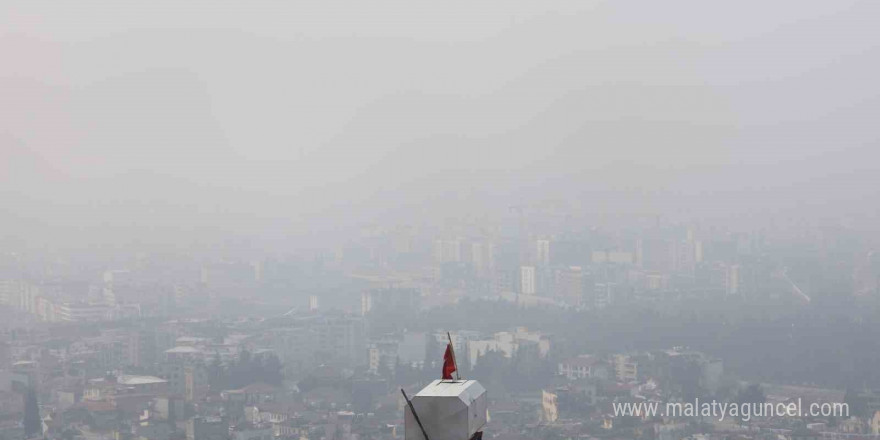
<point>265,219</point>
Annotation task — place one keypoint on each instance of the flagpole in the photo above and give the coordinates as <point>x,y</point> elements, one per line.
<point>415,416</point>
<point>454,362</point>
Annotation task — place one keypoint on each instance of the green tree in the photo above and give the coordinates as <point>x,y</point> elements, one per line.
<point>272,370</point>
<point>751,394</point>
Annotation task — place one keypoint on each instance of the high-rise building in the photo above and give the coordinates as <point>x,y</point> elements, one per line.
<point>195,382</point>
<point>570,285</point>
<point>626,369</point>
<point>504,280</point>
<point>477,257</point>
<point>81,312</point>
<point>603,294</point>
<point>550,409</point>
<point>527,280</point>
<point>9,291</point>
<point>141,347</point>
<point>343,336</point>
<point>447,251</point>
<point>382,353</point>
<point>656,254</point>
<point>258,271</point>
<point>366,303</point>
<point>733,279</point>
<point>404,300</point>
<point>686,257</point>
<point>719,278</point>
<point>543,252</point>
<point>482,257</point>
<point>107,290</point>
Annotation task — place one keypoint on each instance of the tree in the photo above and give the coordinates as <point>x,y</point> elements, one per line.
<point>33,424</point>
<point>686,375</point>
<point>217,376</point>
<point>493,370</point>
<point>248,369</point>
<point>858,405</point>
<point>751,394</point>
<point>271,370</point>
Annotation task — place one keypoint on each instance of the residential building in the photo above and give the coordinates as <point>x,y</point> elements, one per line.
<point>527,280</point>
<point>583,367</point>
<point>626,369</point>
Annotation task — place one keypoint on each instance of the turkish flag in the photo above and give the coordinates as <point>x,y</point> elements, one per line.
<point>448,363</point>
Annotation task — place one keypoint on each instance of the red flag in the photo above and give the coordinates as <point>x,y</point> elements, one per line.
<point>448,363</point>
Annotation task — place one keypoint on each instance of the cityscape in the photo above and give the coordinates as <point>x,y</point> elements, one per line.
<point>410,220</point>
<point>557,325</point>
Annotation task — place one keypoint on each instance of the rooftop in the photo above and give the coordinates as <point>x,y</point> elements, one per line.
<point>183,349</point>
<point>452,388</point>
<point>255,388</point>
<point>582,361</point>
<point>139,380</point>
<point>190,340</point>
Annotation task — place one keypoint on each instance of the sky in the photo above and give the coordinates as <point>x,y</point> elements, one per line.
<point>170,118</point>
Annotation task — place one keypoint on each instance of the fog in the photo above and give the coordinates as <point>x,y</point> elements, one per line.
<point>294,220</point>
<point>201,115</point>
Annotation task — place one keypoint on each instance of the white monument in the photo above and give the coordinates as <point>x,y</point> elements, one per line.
<point>448,410</point>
